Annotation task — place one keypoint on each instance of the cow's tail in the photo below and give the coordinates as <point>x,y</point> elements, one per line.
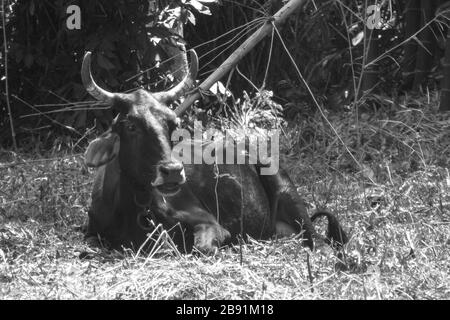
<point>336,236</point>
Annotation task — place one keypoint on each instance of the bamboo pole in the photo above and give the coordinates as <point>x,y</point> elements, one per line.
<point>240,52</point>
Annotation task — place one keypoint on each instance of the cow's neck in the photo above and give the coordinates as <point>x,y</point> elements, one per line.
<point>133,200</point>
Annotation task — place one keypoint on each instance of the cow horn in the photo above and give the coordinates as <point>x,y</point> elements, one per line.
<point>89,83</point>
<point>184,85</point>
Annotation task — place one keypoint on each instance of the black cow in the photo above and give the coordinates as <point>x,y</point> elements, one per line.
<point>202,208</point>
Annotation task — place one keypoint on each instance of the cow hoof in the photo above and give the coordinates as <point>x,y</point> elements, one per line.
<point>84,255</point>
<point>208,238</point>
<point>282,229</point>
<point>205,250</point>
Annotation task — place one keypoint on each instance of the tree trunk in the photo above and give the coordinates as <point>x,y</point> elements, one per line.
<point>412,25</point>
<point>425,52</point>
<point>444,104</point>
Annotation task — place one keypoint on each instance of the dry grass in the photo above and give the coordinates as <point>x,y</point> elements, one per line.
<point>399,225</point>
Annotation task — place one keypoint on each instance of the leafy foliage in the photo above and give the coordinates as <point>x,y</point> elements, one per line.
<point>45,57</point>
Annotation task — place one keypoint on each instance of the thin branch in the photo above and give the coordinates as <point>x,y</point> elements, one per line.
<point>268,63</point>
<point>314,98</point>
<point>196,47</point>
<point>8,105</point>
<point>46,116</point>
<point>256,23</point>
<point>402,43</point>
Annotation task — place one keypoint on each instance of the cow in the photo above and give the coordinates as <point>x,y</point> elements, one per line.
<point>203,209</point>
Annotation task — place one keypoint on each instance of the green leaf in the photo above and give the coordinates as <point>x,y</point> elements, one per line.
<point>190,17</point>
<point>199,7</point>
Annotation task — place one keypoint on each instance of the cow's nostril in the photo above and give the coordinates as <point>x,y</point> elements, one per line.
<point>172,172</point>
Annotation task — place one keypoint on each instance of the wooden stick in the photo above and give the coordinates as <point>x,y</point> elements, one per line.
<point>240,52</point>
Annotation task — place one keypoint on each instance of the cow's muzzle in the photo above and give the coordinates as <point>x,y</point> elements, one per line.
<point>169,178</point>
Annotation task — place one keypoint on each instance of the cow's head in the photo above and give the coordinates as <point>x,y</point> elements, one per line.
<point>140,134</point>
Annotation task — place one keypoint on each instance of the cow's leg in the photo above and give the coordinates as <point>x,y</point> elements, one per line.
<point>282,229</point>
<point>208,233</point>
<point>91,235</point>
<point>235,197</point>
<point>208,237</point>
<point>186,209</point>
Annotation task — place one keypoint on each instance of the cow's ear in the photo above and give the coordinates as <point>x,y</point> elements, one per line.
<point>102,150</point>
